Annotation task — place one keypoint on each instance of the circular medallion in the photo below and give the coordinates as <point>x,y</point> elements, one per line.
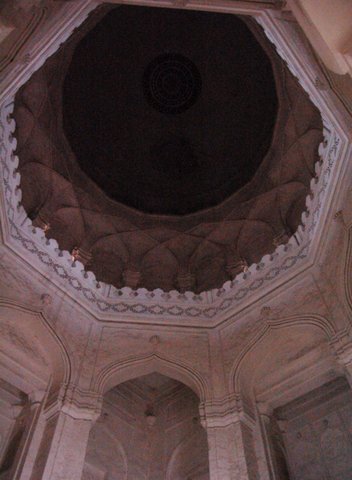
<point>172,83</point>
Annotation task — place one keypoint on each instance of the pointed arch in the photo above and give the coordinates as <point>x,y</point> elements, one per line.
<point>319,322</point>
<point>128,369</point>
<point>20,321</point>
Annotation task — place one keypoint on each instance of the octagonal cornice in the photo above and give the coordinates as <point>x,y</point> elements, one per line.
<point>209,308</point>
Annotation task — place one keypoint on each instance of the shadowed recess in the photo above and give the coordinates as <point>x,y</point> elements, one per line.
<point>169,111</point>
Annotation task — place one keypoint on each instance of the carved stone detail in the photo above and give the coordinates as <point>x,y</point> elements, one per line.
<point>341,345</point>
<point>80,404</point>
<point>223,412</point>
<point>185,281</point>
<point>46,299</point>
<point>155,340</point>
<point>132,278</point>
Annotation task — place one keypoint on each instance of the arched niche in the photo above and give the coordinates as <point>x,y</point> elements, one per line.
<point>32,356</point>
<point>287,360</point>
<point>149,428</point>
<point>279,343</point>
<point>33,366</point>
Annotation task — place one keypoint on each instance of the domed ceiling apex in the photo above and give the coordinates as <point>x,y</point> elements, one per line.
<point>165,121</point>
<point>191,119</point>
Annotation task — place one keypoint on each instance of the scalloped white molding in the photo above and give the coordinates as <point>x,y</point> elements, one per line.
<point>208,308</point>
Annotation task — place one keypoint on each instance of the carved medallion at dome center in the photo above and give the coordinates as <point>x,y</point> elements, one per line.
<point>172,83</point>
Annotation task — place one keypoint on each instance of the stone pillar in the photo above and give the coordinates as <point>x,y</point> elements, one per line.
<point>275,465</point>
<point>232,453</point>
<point>264,416</point>
<point>33,435</point>
<point>16,456</point>
<point>65,436</point>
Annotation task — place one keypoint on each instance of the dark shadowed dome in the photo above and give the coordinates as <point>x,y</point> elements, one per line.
<point>192,119</point>
<point>169,111</point>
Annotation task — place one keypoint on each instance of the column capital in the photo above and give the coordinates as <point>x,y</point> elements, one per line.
<point>80,404</point>
<point>221,412</point>
<point>76,402</point>
<point>341,344</point>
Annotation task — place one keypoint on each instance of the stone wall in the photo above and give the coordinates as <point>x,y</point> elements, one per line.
<point>318,434</point>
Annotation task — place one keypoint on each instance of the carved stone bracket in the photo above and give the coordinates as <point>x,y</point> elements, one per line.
<point>132,277</point>
<point>339,217</point>
<point>185,280</point>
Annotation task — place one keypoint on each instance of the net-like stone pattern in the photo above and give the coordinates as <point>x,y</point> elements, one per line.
<point>172,83</point>
<point>195,252</point>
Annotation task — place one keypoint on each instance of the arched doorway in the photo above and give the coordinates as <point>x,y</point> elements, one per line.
<point>149,429</point>
<point>299,398</point>
<point>33,366</point>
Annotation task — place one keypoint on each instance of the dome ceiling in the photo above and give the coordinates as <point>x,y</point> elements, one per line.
<point>183,125</point>
<point>212,144</point>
